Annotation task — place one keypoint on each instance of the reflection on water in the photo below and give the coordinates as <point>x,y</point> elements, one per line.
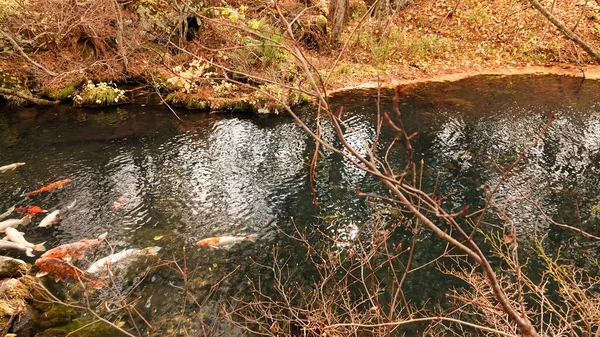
<point>218,175</point>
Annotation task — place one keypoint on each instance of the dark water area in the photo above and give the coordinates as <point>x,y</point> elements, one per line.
<point>228,174</point>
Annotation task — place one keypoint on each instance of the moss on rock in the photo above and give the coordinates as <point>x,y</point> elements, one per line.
<point>56,315</point>
<point>10,267</point>
<point>91,330</point>
<point>62,94</point>
<point>13,296</point>
<point>259,101</point>
<point>188,101</point>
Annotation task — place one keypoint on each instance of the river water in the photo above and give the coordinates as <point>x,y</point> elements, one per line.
<point>229,174</point>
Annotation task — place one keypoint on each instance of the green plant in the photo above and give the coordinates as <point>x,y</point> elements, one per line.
<point>100,94</point>
<point>344,69</point>
<point>596,210</point>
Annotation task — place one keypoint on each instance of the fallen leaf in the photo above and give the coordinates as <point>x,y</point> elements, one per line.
<point>120,324</point>
<point>158,237</point>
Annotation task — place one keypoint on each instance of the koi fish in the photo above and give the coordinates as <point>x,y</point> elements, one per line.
<point>76,249</point>
<point>50,219</point>
<point>117,205</point>
<point>14,223</point>
<point>17,237</point>
<point>7,213</point>
<point>10,167</point>
<point>224,240</point>
<point>31,210</point>
<point>5,244</point>
<point>61,269</point>
<point>49,187</point>
<point>105,262</point>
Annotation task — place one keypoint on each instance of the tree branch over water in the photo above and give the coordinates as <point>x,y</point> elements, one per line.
<point>565,30</point>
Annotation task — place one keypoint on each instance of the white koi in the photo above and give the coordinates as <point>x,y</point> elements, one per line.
<point>14,223</point>
<point>10,167</point>
<point>7,213</point>
<point>5,244</point>
<point>17,237</point>
<point>106,262</point>
<point>50,219</point>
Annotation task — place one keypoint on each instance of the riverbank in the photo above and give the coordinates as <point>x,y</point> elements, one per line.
<point>590,72</point>
<point>241,56</point>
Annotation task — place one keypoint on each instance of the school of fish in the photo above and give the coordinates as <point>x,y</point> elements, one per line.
<point>58,262</point>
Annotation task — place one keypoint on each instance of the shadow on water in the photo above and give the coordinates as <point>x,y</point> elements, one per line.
<point>230,174</point>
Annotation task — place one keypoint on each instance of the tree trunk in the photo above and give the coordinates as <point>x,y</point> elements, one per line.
<point>386,7</point>
<point>400,4</point>
<point>569,33</point>
<point>120,41</point>
<point>383,9</point>
<point>338,12</point>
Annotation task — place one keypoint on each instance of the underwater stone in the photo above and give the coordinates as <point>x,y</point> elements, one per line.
<point>24,325</point>
<point>98,329</point>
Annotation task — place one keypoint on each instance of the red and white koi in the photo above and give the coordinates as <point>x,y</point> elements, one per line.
<point>228,240</point>
<point>105,263</point>
<point>10,167</point>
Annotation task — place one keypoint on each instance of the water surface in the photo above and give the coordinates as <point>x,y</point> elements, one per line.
<point>229,174</point>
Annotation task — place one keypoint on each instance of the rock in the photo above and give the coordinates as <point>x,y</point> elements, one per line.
<point>25,324</point>
<point>13,289</point>
<point>57,315</point>
<point>10,267</point>
<point>98,329</point>
<point>13,294</point>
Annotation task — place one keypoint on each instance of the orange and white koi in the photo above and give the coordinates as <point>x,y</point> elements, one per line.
<point>31,210</point>
<point>117,205</point>
<point>17,237</point>
<point>76,249</point>
<point>50,219</point>
<point>14,223</point>
<point>61,269</point>
<point>10,167</point>
<point>224,240</point>
<point>49,187</point>
<point>106,262</point>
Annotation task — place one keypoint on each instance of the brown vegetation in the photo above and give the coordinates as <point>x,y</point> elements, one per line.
<point>52,46</point>
<point>362,291</point>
